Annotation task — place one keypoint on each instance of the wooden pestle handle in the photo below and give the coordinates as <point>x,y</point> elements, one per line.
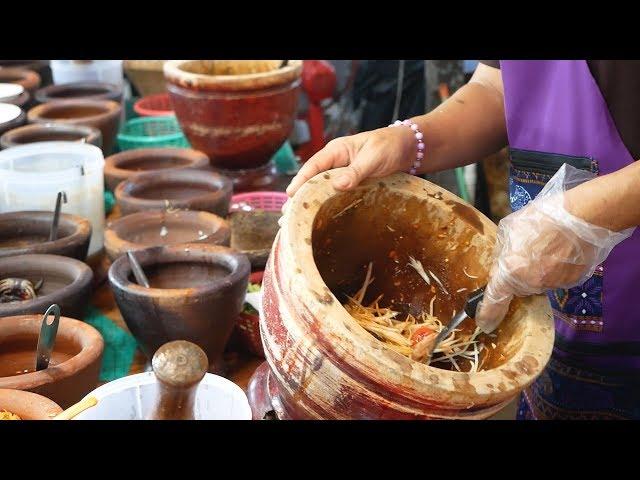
<point>76,409</point>
<point>179,367</point>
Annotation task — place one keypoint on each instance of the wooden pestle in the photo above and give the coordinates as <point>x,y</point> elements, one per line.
<point>179,367</point>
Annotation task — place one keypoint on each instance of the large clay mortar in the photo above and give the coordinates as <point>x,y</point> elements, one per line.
<point>324,365</point>
<point>239,112</point>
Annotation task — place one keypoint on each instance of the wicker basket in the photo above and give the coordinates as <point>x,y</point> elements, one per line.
<point>158,105</point>
<point>146,75</point>
<point>151,132</point>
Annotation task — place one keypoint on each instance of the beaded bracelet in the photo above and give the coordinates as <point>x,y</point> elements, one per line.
<point>419,137</point>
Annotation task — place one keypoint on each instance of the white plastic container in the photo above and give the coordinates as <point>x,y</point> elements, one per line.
<point>32,175</point>
<point>69,71</point>
<point>134,397</point>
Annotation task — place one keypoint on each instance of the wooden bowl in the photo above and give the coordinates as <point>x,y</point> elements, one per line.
<point>67,282</point>
<point>145,229</point>
<point>51,132</point>
<point>124,165</point>
<point>75,362</point>
<point>29,79</point>
<point>197,291</point>
<point>325,365</point>
<point>79,90</point>
<point>101,114</point>
<point>28,232</point>
<point>177,189</point>
<point>27,405</point>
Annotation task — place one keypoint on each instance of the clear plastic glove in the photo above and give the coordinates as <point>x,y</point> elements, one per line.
<point>542,246</point>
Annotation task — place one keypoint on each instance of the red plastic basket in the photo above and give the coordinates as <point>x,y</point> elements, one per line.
<point>267,201</point>
<point>158,105</point>
<point>248,326</point>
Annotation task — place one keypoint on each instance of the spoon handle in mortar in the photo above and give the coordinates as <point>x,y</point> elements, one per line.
<point>47,338</point>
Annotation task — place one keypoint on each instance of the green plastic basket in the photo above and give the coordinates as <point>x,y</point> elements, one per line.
<point>151,132</point>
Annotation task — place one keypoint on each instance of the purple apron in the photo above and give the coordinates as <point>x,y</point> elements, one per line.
<point>556,114</point>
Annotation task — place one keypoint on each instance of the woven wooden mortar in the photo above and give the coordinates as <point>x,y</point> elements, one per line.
<point>325,366</point>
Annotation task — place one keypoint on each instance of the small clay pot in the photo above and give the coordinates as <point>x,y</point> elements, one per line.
<point>253,233</point>
<point>67,282</point>
<point>11,116</point>
<point>28,232</point>
<point>101,114</point>
<point>178,189</point>
<point>29,79</point>
<point>80,90</point>
<point>41,67</point>
<point>150,229</point>
<point>75,361</point>
<point>27,405</point>
<point>124,165</point>
<point>51,132</point>
<point>197,291</point>
<point>238,112</point>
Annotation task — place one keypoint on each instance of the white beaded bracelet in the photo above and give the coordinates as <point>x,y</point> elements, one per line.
<point>419,138</point>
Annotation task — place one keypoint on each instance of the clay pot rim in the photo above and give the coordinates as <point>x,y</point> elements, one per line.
<point>90,340</point>
<point>111,108</point>
<point>90,134</point>
<point>150,65</point>
<point>84,278</point>
<point>125,191</point>
<point>195,159</point>
<point>113,242</point>
<point>30,404</point>
<point>43,95</point>
<point>537,338</point>
<point>120,270</point>
<point>25,75</point>
<point>251,81</point>
<point>82,229</point>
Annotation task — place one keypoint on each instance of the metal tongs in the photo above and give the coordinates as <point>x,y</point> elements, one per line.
<point>468,311</point>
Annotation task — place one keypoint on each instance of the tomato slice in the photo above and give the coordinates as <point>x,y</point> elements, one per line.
<point>421,333</point>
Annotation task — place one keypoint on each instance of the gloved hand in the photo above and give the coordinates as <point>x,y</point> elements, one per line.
<point>542,246</point>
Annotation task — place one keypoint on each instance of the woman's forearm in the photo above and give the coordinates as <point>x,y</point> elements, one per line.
<point>468,126</point>
<point>611,201</point>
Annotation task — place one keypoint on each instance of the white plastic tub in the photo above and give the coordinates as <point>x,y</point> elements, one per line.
<point>133,398</point>
<point>32,175</point>
<point>69,71</point>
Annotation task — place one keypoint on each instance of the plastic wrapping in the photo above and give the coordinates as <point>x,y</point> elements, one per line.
<point>543,246</point>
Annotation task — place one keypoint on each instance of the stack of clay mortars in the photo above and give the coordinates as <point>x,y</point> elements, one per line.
<point>322,365</point>
<point>58,274</point>
<point>171,210</point>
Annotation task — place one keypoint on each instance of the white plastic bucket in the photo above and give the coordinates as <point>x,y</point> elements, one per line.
<point>134,397</point>
<point>32,175</point>
<point>69,71</point>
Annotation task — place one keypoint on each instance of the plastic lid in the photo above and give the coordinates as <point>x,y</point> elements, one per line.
<point>10,90</point>
<point>8,112</point>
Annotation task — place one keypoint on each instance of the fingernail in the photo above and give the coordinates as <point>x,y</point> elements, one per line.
<point>342,182</point>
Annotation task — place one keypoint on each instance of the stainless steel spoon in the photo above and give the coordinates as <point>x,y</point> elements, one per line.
<point>47,337</point>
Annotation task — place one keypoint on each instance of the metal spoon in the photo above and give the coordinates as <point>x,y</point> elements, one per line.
<point>62,198</point>
<point>468,311</point>
<point>47,338</point>
<point>141,278</point>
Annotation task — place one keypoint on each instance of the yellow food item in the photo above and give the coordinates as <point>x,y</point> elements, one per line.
<point>5,415</point>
